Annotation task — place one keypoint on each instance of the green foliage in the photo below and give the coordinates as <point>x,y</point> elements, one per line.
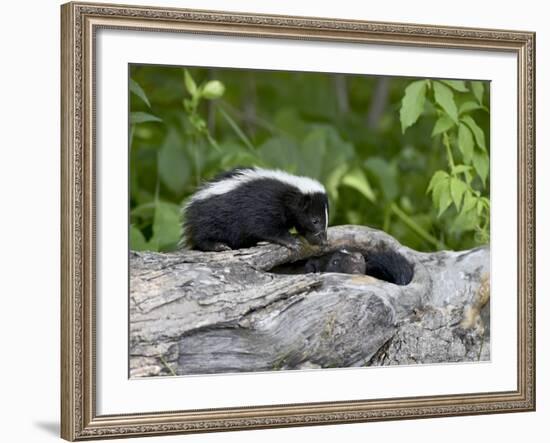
<point>187,125</point>
<point>173,163</point>
<point>357,179</point>
<point>136,89</point>
<point>142,117</point>
<point>413,103</point>
<point>444,97</point>
<point>465,143</point>
<point>457,85</point>
<point>212,90</point>
<point>166,229</point>
<point>462,138</point>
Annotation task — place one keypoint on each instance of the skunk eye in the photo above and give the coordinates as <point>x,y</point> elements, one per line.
<point>335,262</point>
<point>315,221</point>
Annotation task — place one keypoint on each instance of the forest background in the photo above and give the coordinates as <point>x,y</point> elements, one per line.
<point>409,156</point>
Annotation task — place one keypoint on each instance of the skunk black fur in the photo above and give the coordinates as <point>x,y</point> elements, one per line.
<point>242,207</point>
<point>389,266</point>
<point>383,264</point>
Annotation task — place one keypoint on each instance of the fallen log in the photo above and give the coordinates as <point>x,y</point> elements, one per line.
<point>195,312</point>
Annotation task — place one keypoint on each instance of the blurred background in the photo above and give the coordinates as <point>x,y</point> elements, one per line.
<point>409,156</point>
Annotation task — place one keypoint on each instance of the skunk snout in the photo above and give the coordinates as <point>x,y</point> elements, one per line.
<point>355,263</point>
<point>317,238</point>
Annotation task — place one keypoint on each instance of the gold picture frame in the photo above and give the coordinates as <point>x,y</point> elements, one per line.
<point>79,21</point>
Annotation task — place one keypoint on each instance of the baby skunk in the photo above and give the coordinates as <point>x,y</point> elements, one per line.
<point>384,265</point>
<point>244,206</point>
<point>341,261</point>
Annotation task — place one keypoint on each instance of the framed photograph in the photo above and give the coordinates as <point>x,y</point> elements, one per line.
<point>283,221</point>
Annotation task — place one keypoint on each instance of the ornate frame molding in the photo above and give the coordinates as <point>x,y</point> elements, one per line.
<point>79,420</point>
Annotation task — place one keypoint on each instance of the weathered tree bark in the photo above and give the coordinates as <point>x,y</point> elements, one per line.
<point>197,312</point>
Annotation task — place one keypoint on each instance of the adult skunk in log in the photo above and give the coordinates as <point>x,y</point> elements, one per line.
<point>244,206</point>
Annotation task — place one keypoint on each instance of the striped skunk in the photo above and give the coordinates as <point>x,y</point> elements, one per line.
<point>239,208</point>
<point>383,264</point>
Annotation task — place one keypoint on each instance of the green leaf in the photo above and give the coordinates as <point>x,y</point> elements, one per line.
<point>144,210</point>
<point>412,104</point>
<point>142,117</point>
<point>477,89</point>
<point>190,84</point>
<point>436,190</point>
<point>313,153</point>
<point>406,204</point>
<point>233,155</point>
<point>465,221</point>
<point>166,226</point>
<point>173,163</point>
<point>479,207</point>
<point>481,165</point>
<point>465,143</point>
<point>436,178</point>
<point>476,130</point>
<point>443,124</point>
<point>236,129</point>
<point>354,217</point>
<point>357,180</point>
<point>444,200</point>
<point>212,90</point>
<point>333,150</point>
<point>469,175</point>
<point>289,121</point>
<point>387,175</point>
<point>444,97</point>
<point>469,202</point>
<point>458,169</point>
<point>442,196</point>
<point>458,188</point>
<point>457,85</point>
<point>468,106</point>
<point>137,240</point>
<point>136,89</point>
<point>334,179</point>
<point>281,153</point>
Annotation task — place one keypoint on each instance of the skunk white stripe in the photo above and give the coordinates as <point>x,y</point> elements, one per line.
<point>326,218</point>
<point>305,185</point>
